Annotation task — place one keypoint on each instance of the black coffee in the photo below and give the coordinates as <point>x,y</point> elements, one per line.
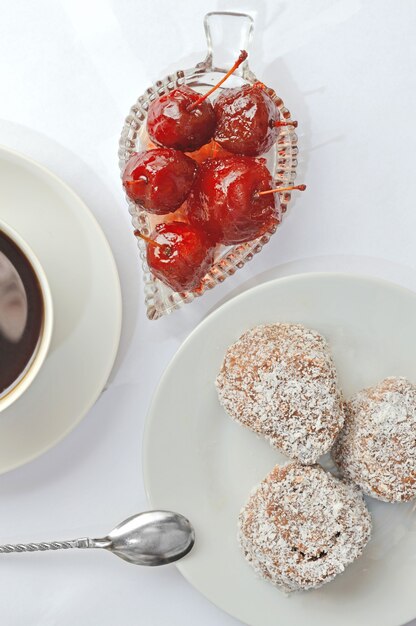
<point>21,313</point>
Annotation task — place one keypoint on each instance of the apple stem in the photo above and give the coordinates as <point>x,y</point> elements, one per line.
<point>280,189</point>
<point>287,123</point>
<point>165,249</point>
<point>130,183</point>
<point>149,241</point>
<point>240,60</point>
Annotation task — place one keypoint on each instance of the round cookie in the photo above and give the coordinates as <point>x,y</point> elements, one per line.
<point>377,447</point>
<point>279,380</point>
<point>302,526</point>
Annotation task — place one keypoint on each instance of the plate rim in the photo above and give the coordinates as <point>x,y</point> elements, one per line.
<point>225,305</point>
<point>34,165</point>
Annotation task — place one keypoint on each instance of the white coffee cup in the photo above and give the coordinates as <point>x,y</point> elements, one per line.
<point>34,364</point>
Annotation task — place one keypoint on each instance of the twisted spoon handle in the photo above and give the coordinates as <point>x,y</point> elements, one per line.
<point>41,547</point>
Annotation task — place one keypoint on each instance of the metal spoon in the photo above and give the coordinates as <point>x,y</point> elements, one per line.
<point>151,538</point>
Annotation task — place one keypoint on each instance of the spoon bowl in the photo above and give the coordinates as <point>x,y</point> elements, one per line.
<point>152,538</point>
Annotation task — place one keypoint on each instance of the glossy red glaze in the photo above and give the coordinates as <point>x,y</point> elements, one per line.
<point>224,199</point>
<point>180,256</point>
<point>171,124</point>
<point>246,120</point>
<point>160,179</point>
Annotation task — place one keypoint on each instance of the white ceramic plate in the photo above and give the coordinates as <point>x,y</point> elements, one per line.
<point>197,461</point>
<point>85,288</point>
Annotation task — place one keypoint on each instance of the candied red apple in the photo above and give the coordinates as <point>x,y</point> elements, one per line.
<point>179,254</point>
<point>248,120</point>
<point>172,123</point>
<point>160,179</point>
<point>225,199</point>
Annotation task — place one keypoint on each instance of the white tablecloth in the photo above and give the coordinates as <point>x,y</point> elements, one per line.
<point>70,70</point>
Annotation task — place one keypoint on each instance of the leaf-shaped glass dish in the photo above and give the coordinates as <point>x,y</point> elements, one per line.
<point>222,29</point>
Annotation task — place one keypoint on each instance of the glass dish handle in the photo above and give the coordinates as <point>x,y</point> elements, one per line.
<point>227,34</point>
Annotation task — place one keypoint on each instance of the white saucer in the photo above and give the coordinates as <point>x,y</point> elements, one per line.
<point>200,463</point>
<point>86,296</point>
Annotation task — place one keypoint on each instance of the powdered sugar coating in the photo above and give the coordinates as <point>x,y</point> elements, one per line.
<point>377,446</point>
<point>280,381</point>
<point>302,526</point>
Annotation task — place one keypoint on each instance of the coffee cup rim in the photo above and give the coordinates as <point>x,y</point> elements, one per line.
<point>43,346</point>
